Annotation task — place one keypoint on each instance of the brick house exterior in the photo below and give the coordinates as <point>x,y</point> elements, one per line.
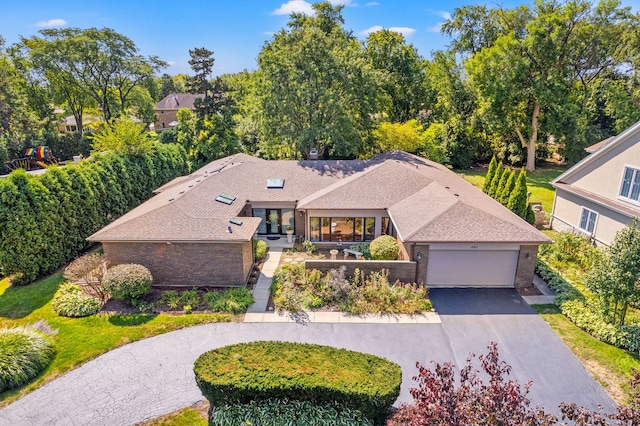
<point>198,229</point>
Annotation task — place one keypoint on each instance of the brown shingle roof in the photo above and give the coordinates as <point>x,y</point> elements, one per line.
<point>177,101</point>
<point>426,201</point>
<point>598,145</point>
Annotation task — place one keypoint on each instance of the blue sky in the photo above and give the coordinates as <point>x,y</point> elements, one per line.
<point>235,30</point>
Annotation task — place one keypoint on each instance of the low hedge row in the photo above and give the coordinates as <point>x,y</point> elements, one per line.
<point>238,374</point>
<point>276,412</point>
<point>574,306</point>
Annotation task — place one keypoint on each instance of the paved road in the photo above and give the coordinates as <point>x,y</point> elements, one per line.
<point>151,377</point>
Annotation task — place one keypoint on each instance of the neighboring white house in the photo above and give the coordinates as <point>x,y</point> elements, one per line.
<point>601,194</point>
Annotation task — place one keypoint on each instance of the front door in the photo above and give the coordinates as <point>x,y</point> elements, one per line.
<point>274,219</point>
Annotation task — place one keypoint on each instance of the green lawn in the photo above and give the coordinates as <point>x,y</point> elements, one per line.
<point>537,183</point>
<point>189,416</point>
<point>609,365</point>
<point>80,339</point>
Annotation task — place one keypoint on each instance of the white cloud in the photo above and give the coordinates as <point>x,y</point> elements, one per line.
<point>347,3</point>
<point>171,63</point>
<point>437,27</point>
<point>52,23</point>
<point>294,6</point>
<point>370,30</point>
<point>443,14</point>
<point>405,31</point>
<point>373,3</point>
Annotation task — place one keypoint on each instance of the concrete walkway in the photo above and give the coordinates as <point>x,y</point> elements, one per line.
<point>548,296</point>
<point>261,291</point>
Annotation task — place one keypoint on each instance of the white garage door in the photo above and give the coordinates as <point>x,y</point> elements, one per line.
<point>471,268</point>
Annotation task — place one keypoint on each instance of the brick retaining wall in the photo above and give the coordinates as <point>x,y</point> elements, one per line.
<point>404,271</point>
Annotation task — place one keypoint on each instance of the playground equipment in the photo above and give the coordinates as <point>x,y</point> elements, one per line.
<point>39,157</point>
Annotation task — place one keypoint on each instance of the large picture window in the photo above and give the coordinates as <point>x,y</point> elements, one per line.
<point>630,187</point>
<point>342,229</point>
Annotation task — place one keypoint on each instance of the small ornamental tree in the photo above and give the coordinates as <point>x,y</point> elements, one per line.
<point>507,188</point>
<point>495,180</point>
<point>493,165</point>
<point>437,400</point>
<point>385,247</point>
<point>87,271</point>
<point>518,198</point>
<point>616,279</point>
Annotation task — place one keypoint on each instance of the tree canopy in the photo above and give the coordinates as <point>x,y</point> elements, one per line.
<point>316,89</point>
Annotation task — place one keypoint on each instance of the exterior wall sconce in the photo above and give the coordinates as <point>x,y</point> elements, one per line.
<point>527,255</point>
<point>419,256</point>
<point>301,213</point>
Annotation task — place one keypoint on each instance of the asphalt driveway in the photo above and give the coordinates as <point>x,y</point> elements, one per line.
<point>473,317</point>
<point>154,376</point>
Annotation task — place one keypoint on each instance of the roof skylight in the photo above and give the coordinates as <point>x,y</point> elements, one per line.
<point>226,198</point>
<point>275,183</point>
<point>236,221</point>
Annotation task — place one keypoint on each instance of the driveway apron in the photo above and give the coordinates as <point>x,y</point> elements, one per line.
<point>146,379</point>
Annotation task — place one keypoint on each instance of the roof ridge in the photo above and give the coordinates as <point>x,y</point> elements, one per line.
<point>457,201</point>
<point>340,183</point>
<point>619,139</point>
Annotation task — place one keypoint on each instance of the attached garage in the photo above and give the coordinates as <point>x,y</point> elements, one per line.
<point>467,265</point>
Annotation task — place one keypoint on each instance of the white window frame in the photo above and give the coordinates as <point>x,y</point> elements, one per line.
<point>595,220</point>
<point>636,171</point>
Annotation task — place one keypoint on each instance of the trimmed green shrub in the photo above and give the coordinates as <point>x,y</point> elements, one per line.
<point>24,354</point>
<point>260,249</point>
<point>385,247</point>
<point>319,374</point>
<point>491,171</point>
<point>495,180</point>
<point>233,300</point>
<point>277,412</point>
<point>128,282</point>
<point>518,199</point>
<point>69,301</point>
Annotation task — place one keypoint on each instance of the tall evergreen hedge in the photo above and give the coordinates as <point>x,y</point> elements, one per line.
<point>45,219</point>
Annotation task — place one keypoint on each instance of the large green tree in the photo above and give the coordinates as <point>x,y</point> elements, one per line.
<point>317,90</point>
<point>401,74</point>
<point>97,64</point>
<point>16,118</point>
<point>524,63</point>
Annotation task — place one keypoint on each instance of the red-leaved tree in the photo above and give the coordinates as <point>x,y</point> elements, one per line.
<point>438,401</point>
